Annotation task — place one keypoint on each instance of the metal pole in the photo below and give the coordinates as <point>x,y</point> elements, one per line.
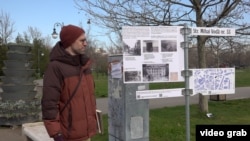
<point>38,61</point>
<point>187,74</point>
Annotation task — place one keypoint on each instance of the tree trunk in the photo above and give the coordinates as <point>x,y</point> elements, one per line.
<point>203,103</point>
<point>203,100</point>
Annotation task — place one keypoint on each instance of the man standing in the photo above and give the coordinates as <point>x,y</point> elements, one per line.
<point>68,101</point>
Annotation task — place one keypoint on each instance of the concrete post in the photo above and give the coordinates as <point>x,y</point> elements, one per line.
<point>128,118</point>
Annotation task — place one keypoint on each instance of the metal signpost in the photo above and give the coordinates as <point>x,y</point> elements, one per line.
<point>186,74</point>
<point>228,75</point>
<point>151,54</point>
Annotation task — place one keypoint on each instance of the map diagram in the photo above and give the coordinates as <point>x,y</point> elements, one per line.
<point>213,81</point>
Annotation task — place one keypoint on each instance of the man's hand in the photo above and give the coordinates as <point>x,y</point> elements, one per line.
<point>58,137</point>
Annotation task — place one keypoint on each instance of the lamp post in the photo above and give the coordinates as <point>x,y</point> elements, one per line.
<point>54,33</point>
<point>88,22</point>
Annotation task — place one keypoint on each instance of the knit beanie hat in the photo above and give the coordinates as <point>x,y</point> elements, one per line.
<point>69,34</point>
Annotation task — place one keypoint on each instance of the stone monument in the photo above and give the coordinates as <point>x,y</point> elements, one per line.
<point>18,102</point>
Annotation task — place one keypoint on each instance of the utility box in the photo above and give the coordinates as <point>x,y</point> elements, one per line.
<point>128,118</point>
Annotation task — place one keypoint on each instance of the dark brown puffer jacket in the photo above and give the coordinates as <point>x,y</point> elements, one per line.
<point>78,120</point>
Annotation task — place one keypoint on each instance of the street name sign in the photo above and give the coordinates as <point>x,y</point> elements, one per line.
<point>212,31</point>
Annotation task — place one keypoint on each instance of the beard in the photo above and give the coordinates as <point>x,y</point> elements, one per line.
<point>79,51</point>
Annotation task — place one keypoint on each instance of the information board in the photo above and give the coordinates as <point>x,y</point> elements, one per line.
<point>152,54</point>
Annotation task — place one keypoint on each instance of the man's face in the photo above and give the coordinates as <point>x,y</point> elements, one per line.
<point>79,46</point>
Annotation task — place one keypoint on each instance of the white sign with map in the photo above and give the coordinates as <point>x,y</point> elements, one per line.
<point>213,81</point>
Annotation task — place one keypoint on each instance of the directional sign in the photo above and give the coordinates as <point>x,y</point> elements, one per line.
<point>212,31</point>
<point>162,93</point>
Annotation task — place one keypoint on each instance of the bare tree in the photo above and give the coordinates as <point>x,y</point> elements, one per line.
<point>6,27</point>
<point>34,33</point>
<point>48,42</point>
<point>201,13</point>
<point>216,47</point>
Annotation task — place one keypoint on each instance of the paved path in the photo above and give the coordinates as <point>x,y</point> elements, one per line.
<point>15,133</point>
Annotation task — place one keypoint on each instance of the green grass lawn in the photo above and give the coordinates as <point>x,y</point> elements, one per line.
<point>168,124</point>
<point>242,78</point>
